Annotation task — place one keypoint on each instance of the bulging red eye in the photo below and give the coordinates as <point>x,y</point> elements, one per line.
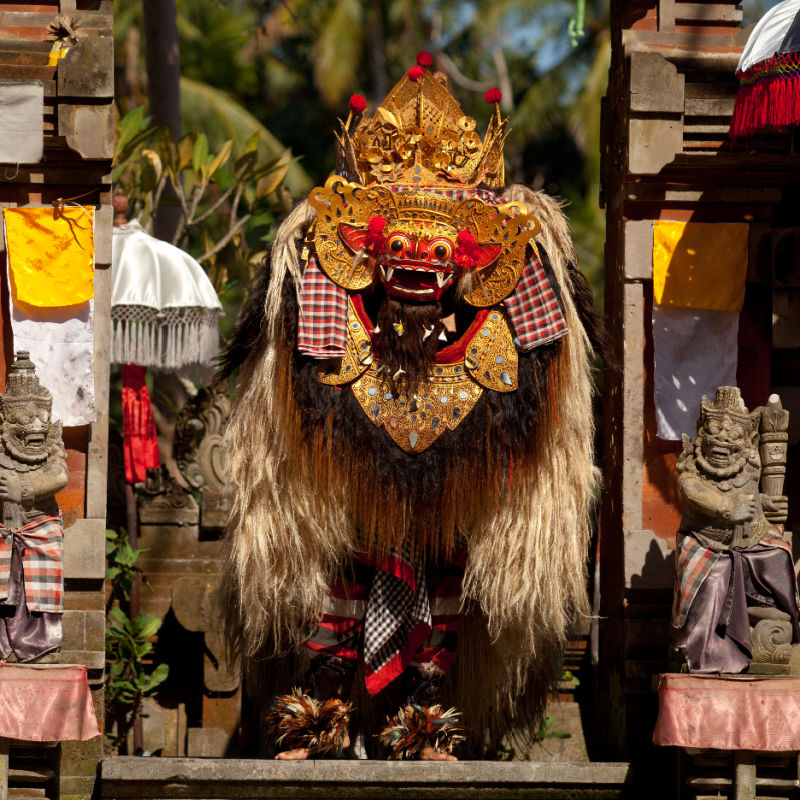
<point>398,242</point>
<point>442,250</point>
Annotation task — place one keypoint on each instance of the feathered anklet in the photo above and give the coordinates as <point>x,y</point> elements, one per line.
<point>296,720</point>
<point>414,727</point>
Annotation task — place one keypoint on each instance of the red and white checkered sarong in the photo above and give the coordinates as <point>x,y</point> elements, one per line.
<point>43,540</point>
<point>532,307</point>
<point>396,611</point>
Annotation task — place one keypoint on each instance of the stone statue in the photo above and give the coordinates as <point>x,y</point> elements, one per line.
<point>734,562</point>
<point>32,469</point>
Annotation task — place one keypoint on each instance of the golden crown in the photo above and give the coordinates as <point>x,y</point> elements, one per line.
<point>419,136</point>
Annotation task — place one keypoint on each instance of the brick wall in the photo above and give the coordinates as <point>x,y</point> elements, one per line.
<point>78,147</point>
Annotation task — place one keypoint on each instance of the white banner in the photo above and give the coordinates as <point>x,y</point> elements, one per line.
<point>695,351</point>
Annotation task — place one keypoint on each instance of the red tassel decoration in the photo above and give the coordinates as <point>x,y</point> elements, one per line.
<point>357,104</point>
<point>467,252</point>
<point>139,438</point>
<point>415,73</point>
<point>768,97</point>
<point>424,58</point>
<point>375,241</point>
<point>493,96</point>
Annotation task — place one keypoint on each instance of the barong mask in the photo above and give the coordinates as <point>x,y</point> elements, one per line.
<point>403,213</point>
<point>484,454</point>
<point>419,243</point>
<point>25,412</point>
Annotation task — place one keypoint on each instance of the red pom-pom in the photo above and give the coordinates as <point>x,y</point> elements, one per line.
<point>493,96</point>
<point>376,225</point>
<point>357,104</point>
<point>467,253</point>
<point>415,73</point>
<point>424,58</point>
<point>375,241</point>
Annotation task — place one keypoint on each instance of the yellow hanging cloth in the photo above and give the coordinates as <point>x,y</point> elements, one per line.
<point>50,255</point>
<point>700,265</point>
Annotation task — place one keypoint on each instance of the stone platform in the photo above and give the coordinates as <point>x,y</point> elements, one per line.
<point>220,779</point>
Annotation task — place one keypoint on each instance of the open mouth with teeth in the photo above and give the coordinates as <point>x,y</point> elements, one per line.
<point>411,280</point>
<point>720,454</point>
<point>34,441</point>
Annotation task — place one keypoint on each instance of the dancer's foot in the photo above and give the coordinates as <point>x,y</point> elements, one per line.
<point>429,754</point>
<point>298,754</point>
<point>303,753</point>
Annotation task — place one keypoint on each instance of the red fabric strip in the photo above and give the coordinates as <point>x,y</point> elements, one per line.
<point>140,440</point>
<point>340,652</point>
<point>340,624</point>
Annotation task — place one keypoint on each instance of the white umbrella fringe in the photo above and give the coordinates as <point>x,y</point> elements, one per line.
<point>168,338</point>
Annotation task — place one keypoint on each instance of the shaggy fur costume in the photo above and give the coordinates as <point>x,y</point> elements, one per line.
<point>313,480</point>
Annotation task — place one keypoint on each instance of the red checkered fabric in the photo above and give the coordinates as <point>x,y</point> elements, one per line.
<point>533,307</point>
<point>694,561</point>
<point>43,540</point>
<point>322,328</point>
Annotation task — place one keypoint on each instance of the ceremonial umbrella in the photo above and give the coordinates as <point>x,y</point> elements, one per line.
<point>769,73</point>
<point>165,314</point>
<point>164,309</point>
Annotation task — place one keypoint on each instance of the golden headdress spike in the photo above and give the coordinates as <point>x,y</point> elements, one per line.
<point>419,136</point>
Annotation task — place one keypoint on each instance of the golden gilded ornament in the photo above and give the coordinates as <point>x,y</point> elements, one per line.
<point>357,357</point>
<point>419,115</point>
<point>508,225</point>
<point>416,417</point>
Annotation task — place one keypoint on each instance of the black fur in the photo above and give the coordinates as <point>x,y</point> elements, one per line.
<point>507,420</point>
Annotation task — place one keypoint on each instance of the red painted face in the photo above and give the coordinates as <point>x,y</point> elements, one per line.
<point>414,268</point>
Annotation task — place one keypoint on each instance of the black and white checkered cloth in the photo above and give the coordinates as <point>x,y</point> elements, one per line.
<point>394,609</point>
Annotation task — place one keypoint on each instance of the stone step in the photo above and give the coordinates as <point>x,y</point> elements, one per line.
<point>126,778</point>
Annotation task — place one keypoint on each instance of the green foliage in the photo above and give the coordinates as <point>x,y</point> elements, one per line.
<point>130,678</point>
<point>121,568</point>
<point>219,195</point>
<point>575,27</point>
<point>570,677</point>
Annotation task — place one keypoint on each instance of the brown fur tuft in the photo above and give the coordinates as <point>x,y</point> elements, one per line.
<point>296,720</point>
<point>415,727</point>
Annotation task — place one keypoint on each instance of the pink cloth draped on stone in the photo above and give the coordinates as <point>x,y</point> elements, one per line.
<point>729,713</point>
<point>43,703</point>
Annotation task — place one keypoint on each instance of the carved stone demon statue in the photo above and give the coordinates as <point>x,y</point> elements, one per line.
<point>734,565</point>
<point>32,469</point>
<point>411,448</point>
